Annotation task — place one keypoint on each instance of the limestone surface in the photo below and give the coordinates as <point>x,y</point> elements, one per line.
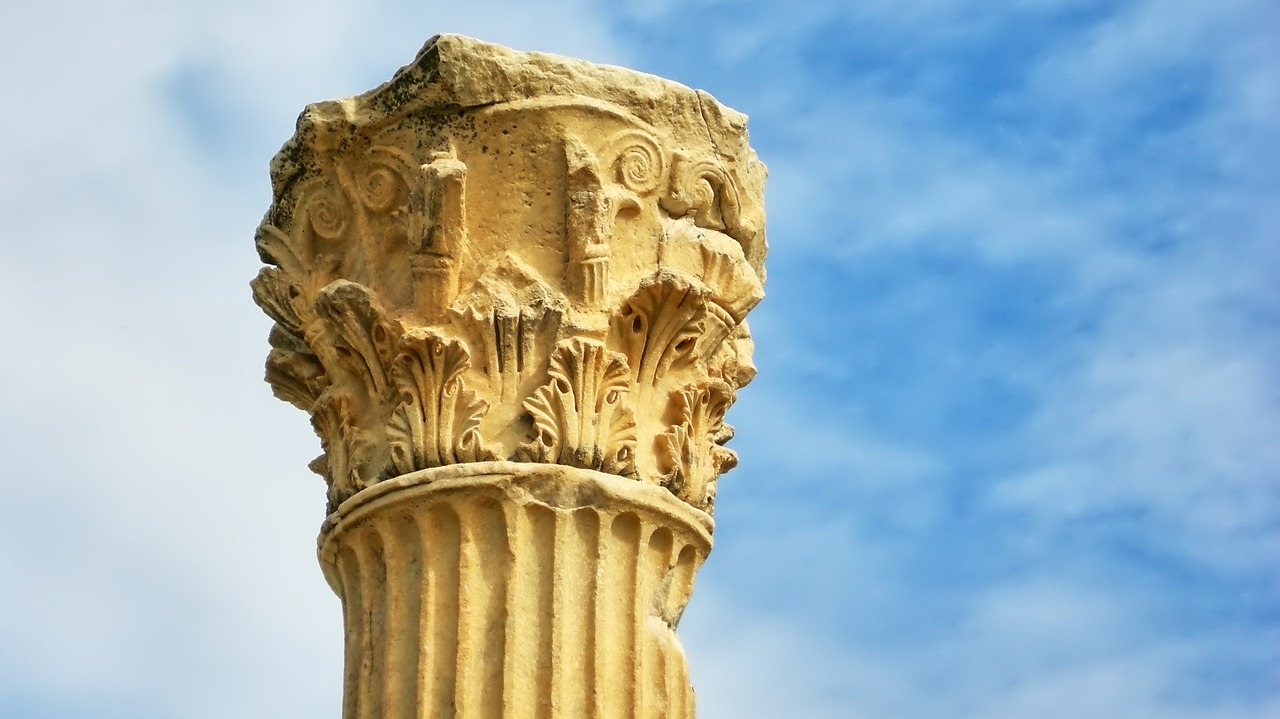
<point>514,590</point>
<point>510,289</point>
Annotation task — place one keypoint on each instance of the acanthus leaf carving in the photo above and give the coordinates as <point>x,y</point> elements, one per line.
<point>660,325</point>
<point>345,445</point>
<point>361,339</point>
<point>294,372</point>
<point>580,418</point>
<point>437,420</point>
<point>690,453</point>
<point>280,249</point>
<point>275,294</point>
<point>512,316</point>
<point>453,281</point>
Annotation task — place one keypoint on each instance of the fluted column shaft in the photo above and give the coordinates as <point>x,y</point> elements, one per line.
<point>514,591</point>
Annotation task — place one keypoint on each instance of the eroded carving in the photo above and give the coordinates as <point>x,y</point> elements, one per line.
<point>593,205</point>
<point>344,445</point>
<point>329,214</point>
<point>660,325</point>
<point>295,374</point>
<point>435,258</point>
<point>690,454</point>
<point>513,318</point>
<point>470,266</point>
<point>358,335</point>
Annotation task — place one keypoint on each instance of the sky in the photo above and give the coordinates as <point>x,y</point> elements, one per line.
<point>1014,445</point>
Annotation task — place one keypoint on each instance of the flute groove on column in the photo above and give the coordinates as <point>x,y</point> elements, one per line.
<point>550,602</point>
<point>403,552</point>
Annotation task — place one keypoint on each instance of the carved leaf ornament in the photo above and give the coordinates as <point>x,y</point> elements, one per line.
<point>458,278</point>
<point>438,419</point>
<point>690,452</point>
<point>579,417</point>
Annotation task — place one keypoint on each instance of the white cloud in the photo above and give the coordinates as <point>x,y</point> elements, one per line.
<point>747,665</point>
<point>1033,647</point>
<point>1168,405</point>
<point>1177,433</point>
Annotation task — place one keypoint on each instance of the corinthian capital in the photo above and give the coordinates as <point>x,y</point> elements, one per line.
<point>515,256</point>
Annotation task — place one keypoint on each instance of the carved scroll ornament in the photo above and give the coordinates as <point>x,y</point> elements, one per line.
<point>458,277</point>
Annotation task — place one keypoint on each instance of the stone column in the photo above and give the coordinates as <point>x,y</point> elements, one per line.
<point>510,290</point>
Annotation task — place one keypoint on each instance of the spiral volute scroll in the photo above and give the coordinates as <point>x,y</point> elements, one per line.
<point>639,164</point>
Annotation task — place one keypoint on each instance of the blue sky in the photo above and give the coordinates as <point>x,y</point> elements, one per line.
<point>1014,447</point>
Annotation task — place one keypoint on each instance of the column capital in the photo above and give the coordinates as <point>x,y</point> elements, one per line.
<point>515,256</point>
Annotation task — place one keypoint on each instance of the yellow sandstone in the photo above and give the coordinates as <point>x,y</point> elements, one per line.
<point>510,289</point>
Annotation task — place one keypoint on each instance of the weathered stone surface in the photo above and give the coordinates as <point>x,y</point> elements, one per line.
<point>508,589</point>
<point>513,255</point>
<point>510,289</point>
